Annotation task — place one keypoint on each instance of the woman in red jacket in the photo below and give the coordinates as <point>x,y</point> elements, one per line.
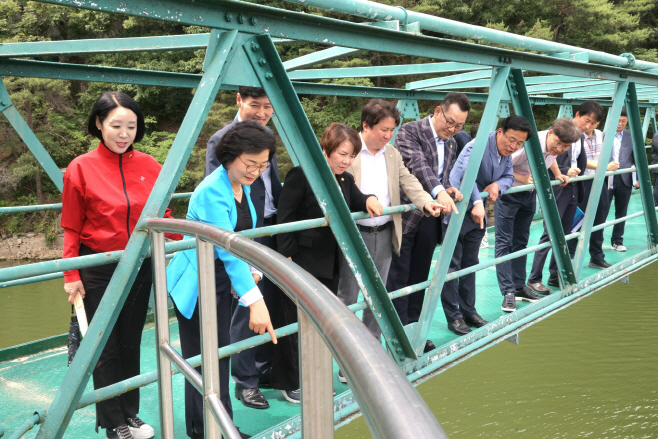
<point>104,194</point>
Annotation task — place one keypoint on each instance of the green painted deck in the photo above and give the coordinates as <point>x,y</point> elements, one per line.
<point>29,383</point>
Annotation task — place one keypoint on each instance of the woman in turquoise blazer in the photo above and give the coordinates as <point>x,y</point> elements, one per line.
<point>222,199</point>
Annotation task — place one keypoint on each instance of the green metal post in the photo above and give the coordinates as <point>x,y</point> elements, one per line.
<point>649,119</point>
<point>408,110</point>
<point>433,292</point>
<point>270,71</point>
<point>25,133</point>
<point>566,110</point>
<point>641,164</point>
<point>599,177</point>
<point>69,393</point>
<point>542,182</point>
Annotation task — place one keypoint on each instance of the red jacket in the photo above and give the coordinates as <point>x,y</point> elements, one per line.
<point>104,195</point>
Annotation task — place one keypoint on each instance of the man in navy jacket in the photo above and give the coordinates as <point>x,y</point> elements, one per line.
<point>251,367</point>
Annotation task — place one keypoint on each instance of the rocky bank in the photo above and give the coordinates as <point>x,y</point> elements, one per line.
<point>30,246</point>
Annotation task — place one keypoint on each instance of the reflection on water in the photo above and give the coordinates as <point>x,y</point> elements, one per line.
<point>590,371</point>
<point>34,311</point>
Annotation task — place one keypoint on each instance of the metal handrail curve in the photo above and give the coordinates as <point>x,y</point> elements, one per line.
<point>396,410</point>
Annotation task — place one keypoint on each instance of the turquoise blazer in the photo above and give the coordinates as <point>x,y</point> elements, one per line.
<point>212,203</point>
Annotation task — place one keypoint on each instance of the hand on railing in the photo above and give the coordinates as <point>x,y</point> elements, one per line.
<point>493,190</point>
<point>72,288</point>
<point>259,319</point>
<point>374,207</point>
<point>434,208</point>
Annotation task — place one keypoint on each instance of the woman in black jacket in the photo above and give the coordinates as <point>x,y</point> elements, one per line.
<point>315,250</point>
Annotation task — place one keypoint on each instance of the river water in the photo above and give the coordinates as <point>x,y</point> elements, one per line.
<point>590,371</point>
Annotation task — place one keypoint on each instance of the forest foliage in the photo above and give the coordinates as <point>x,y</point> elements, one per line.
<point>56,110</point>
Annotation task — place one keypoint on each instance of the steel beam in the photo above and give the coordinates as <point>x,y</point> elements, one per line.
<point>449,80</point>
<point>23,130</point>
<point>542,183</point>
<point>384,71</point>
<point>565,111</point>
<point>104,45</point>
<point>322,56</point>
<point>433,293</point>
<point>640,157</point>
<point>256,19</point>
<point>304,144</point>
<point>68,395</point>
<point>599,177</point>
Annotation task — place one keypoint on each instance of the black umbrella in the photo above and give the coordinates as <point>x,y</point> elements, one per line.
<point>74,335</point>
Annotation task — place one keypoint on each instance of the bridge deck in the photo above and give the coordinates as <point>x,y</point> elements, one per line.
<point>29,383</point>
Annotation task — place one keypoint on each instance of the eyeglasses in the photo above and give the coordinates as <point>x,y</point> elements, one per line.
<point>513,141</point>
<point>451,123</point>
<point>252,168</point>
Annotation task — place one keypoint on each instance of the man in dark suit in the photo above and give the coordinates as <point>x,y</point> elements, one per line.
<point>620,186</point>
<point>495,176</point>
<point>572,163</point>
<point>251,367</point>
<point>428,149</point>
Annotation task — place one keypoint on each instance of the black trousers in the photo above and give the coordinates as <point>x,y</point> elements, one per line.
<point>655,189</point>
<point>596,238</point>
<point>190,342</point>
<point>413,266</point>
<point>566,207</point>
<point>253,365</point>
<point>285,354</point>
<point>458,295</point>
<point>622,195</point>
<point>121,354</point>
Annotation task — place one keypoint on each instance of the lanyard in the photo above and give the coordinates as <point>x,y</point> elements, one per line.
<point>592,149</point>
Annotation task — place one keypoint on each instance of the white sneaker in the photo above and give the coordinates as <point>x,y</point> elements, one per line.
<point>619,247</point>
<point>139,429</point>
<point>485,242</point>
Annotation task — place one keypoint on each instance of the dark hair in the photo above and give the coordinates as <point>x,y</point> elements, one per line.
<point>456,98</point>
<point>623,112</point>
<point>251,92</point>
<point>517,123</point>
<point>592,108</point>
<point>377,110</point>
<point>108,102</point>
<point>248,137</point>
<point>337,133</point>
<point>566,130</point>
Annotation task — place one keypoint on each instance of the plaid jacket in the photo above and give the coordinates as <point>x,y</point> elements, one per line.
<point>415,141</point>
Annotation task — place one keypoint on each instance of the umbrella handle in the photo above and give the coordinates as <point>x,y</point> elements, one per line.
<point>82,315</point>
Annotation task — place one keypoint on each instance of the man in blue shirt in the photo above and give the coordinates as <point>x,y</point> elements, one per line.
<point>495,175</point>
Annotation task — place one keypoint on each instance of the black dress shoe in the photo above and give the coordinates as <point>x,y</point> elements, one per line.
<point>459,327</point>
<point>251,398</point>
<point>553,282</point>
<point>601,264</point>
<point>475,320</point>
<point>429,346</point>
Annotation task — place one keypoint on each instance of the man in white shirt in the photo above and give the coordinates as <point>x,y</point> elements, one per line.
<point>514,212</point>
<point>378,169</point>
<point>587,118</point>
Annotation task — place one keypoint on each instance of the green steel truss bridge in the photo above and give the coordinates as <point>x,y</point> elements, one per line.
<point>241,50</point>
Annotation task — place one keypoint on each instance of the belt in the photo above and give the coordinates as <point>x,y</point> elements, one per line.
<point>373,229</point>
<point>270,220</point>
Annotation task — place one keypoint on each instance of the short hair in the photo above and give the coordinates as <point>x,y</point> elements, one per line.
<point>251,92</point>
<point>248,137</point>
<point>337,133</point>
<point>517,123</point>
<point>108,102</point>
<point>456,98</point>
<point>592,108</point>
<point>623,112</point>
<point>566,130</point>
<point>377,110</point>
